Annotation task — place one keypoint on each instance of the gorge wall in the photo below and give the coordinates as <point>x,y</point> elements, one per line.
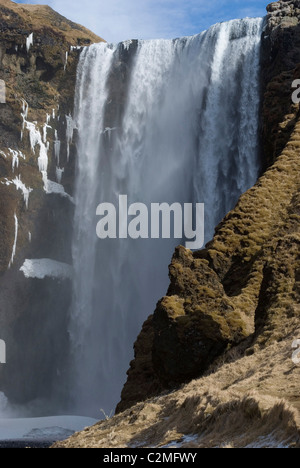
<point>39,52</point>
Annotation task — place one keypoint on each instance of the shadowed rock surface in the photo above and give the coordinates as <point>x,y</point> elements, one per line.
<point>39,73</point>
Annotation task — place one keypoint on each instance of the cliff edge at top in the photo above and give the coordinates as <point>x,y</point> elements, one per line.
<point>37,18</point>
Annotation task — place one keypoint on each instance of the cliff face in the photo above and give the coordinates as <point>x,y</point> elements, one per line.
<point>242,292</point>
<point>280,66</point>
<point>38,60</point>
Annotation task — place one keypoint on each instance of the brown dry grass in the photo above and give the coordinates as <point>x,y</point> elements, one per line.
<point>253,400</point>
<point>42,15</point>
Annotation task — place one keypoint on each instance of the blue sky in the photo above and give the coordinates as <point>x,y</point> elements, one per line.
<point>118,20</point>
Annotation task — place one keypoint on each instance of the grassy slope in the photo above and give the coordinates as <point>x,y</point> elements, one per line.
<point>38,16</point>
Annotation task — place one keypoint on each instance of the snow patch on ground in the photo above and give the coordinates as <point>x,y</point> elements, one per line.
<point>54,187</point>
<point>50,428</point>
<point>45,267</point>
<point>184,440</point>
<point>269,441</point>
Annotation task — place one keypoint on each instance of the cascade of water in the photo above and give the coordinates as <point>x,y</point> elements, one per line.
<point>184,130</point>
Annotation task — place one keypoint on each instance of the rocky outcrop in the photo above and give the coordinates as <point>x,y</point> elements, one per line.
<point>242,291</point>
<point>280,66</point>
<point>39,52</point>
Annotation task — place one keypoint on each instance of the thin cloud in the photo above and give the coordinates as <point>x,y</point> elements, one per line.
<point>117,20</point>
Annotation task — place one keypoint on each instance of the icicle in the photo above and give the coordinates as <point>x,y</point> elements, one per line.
<point>46,126</point>
<point>127,44</point>
<point>15,158</point>
<point>29,42</point>
<point>59,173</point>
<point>69,133</point>
<point>56,147</point>
<point>20,186</point>
<point>24,115</point>
<point>15,242</point>
<point>66,61</point>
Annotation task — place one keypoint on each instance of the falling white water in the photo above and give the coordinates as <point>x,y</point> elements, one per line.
<point>188,132</point>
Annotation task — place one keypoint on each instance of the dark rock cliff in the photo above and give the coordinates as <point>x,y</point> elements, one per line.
<point>38,59</point>
<point>242,291</point>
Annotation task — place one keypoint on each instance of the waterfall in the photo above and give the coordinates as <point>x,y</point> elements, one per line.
<point>158,121</point>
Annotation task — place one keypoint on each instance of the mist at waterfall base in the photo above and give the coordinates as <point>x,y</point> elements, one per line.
<point>159,121</point>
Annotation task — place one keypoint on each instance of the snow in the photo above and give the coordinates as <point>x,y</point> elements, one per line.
<point>45,267</point>
<point>36,139</point>
<point>15,157</point>
<point>184,440</point>
<point>24,112</point>
<point>45,128</point>
<point>24,115</point>
<point>29,41</point>
<point>269,441</point>
<point>20,186</point>
<point>43,157</point>
<point>127,44</point>
<point>34,135</point>
<point>15,242</point>
<point>55,188</point>
<point>49,428</point>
